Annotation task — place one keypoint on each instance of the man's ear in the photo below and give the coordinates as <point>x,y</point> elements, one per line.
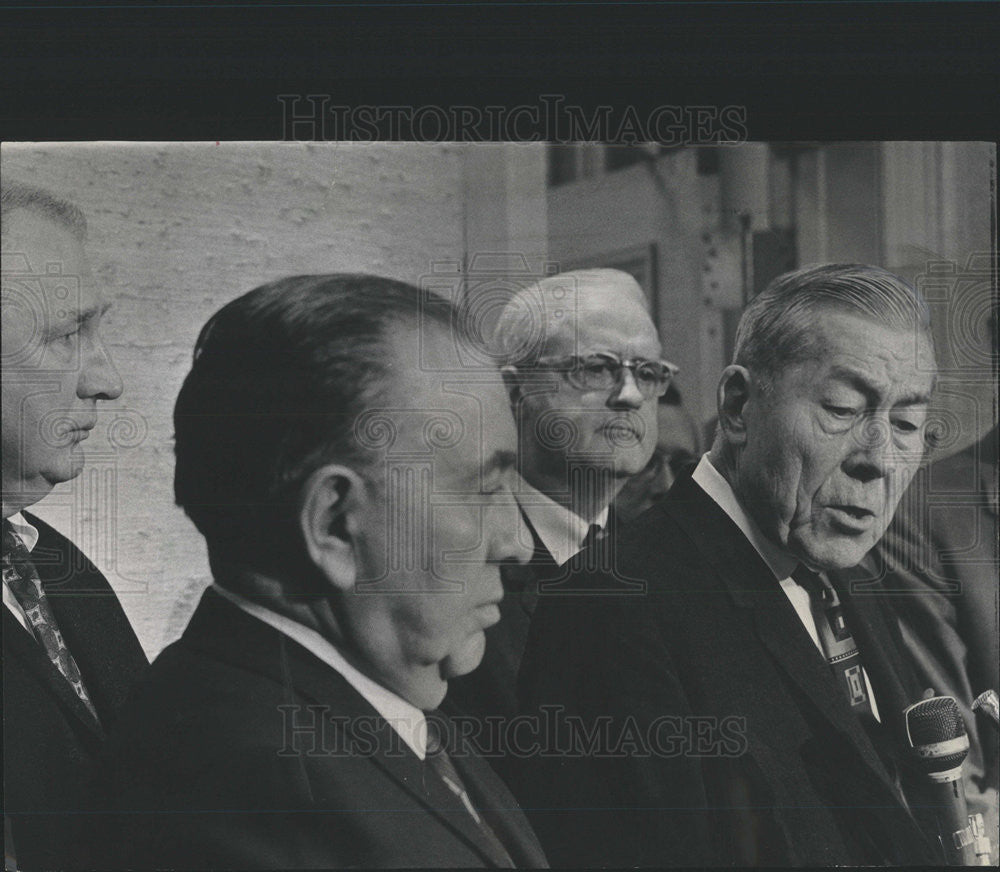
<point>512,382</point>
<point>333,499</point>
<point>732,397</point>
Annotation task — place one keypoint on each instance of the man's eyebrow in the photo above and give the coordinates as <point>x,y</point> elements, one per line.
<point>861,383</point>
<point>502,460</point>
<point>78,316</point>
<point>917,399</point>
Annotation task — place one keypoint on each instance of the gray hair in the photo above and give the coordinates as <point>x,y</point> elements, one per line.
<point>774,329</point>
<point>536,311</point>
<point>14,196</point>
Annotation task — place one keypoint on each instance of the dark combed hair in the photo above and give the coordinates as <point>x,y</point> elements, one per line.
<point>775,327</point>
<point>278,378</point>
<point>15,195</point>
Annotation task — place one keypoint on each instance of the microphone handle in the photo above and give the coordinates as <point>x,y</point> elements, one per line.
<point>952,815</point>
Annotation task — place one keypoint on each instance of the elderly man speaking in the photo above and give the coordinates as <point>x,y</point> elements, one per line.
<point>768,699</point>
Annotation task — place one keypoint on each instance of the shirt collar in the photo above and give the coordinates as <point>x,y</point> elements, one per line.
<point>406,719</point>
<point>562,531</point>
<point>27,532</point>
<point>710,480</point>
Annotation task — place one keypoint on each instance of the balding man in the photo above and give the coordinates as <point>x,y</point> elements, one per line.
<point>583,373</point>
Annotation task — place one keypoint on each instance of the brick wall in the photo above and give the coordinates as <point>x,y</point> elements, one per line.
<point>175,232</point>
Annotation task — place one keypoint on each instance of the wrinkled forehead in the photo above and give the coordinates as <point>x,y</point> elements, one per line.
<point>871,354</point>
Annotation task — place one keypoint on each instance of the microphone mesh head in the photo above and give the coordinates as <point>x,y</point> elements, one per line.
<point>930,722</point>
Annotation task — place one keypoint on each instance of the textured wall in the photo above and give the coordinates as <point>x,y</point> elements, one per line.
<point>175,232</point>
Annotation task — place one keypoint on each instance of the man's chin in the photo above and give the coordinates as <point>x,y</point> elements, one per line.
<point>69,469</point>
<point>465,660</point>
<point>629,462</point>
<point>832,556</point>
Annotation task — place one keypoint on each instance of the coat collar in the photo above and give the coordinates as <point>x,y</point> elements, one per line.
<point>753,587</point>
<point>92,623</point>
<point>223,631</point>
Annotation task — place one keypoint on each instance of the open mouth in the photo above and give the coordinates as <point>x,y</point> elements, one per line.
<point>854,518</point>
<point>855,511</point>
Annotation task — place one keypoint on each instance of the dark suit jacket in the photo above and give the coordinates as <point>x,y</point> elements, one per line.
<point>491,689</point>
<point>51,741</point>
<point>242,750</point>
<point>939,559</point>
<point>724,739</point>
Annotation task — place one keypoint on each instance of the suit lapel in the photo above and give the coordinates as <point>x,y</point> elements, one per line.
<point>20,645</point>
<point>90,618</point>
<point>753,587</point>
<point>223,629</point>
<point>520,580</point>
<point>497,804</point>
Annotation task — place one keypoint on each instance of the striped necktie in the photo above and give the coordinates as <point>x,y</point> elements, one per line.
<point>20,575</point>
<point>440,763</point>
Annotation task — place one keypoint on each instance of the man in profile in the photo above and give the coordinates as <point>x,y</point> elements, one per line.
<point>69,653</point>
<point>762,700</point>
<point>353,488</point>
<point>583,374</point>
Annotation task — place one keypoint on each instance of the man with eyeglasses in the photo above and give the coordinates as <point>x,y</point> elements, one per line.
<point>583,372</point>
<point>746,707</point>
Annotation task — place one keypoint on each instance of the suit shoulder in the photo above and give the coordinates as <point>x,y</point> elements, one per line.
<point>657,549</point>
<point>55,552</point>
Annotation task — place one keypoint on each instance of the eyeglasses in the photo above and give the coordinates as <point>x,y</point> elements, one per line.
<point>604,372</point>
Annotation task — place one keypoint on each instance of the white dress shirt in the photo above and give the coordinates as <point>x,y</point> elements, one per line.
<point>29,536</point>
<point>562,531</point>
<point>406,719</point>
<point>780,562</point>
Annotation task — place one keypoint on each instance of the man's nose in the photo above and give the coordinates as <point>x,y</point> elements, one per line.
<point>627,394</point>
<point>872,454</point>
<point>509,536</point>
<point>99,378</point>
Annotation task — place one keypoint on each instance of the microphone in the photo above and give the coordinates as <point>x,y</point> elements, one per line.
<point>939,745</point>
<point>988,704</point>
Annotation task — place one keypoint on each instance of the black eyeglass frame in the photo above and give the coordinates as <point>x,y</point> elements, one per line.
<point>573,367</point>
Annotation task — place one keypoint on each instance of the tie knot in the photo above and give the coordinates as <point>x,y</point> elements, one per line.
<point>437,732</point>
<point>13,546</point>
<point>811,581</point>
<point>594,534</point>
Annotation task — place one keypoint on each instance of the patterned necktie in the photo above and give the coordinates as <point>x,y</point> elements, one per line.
<point>837,642</point>
<point>592,556</point>
<point>20,575</point>
<point>440,763</point>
